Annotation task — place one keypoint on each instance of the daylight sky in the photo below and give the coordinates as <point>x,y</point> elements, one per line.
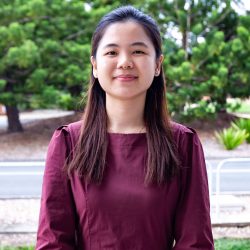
<point>246,6</point>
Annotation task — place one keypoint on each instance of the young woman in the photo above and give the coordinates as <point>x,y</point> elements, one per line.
<point>133,179</point>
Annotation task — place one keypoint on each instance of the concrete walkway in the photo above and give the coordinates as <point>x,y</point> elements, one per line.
<point>21,216</point>
<point>31,116</point>
<point>233,210</point>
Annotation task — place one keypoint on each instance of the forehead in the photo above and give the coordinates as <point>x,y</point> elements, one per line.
<point>125,33</point>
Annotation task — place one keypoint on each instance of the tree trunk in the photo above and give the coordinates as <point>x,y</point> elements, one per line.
<point>14,124</point>
<point>184,40</point>
<point>222,101</point>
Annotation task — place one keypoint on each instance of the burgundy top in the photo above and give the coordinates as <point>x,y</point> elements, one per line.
<point>122,213</point>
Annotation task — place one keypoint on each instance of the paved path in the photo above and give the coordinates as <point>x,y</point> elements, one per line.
<point>24,179</point>
<point>27,117</point>
<point>21,179</point>
<point>21,215</point>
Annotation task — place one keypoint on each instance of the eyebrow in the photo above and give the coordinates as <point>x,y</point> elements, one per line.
<point>139,44</point>
<point>132,44</point>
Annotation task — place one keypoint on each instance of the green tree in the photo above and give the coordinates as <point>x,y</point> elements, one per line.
<point>44,48</point>
<point>210,62</point>
<point>44,51</point>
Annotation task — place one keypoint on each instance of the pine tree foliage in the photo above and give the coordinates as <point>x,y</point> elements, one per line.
<point>45,50</point>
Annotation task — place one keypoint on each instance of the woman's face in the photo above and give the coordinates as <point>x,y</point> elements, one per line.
<point>125,62</point>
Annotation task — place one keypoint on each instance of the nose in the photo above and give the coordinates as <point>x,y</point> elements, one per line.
<point>125,62</point>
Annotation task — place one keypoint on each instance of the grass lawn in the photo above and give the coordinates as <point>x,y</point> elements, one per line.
<point>222,244</point>
<point>17,248</point>
<point>244,107</point>
<point>232,244</point>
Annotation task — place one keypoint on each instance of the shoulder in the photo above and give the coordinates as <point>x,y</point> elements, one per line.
<point>71,130</point>
<point>73,127</point>
<point>181,130</point>
<point>184,136</point>
<point>65,136</point>
<point>188,145</point>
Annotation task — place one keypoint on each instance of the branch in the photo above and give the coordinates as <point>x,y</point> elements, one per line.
<point>201,62</point>
<point>188,28</point>
<point>218,21</point>
<point>9,80</point>
<point>69,37</point>
<point>25,20</point>
<point>22,72</point>
<point>200,79</point>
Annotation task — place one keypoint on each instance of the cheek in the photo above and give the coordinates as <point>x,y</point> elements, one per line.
<point>149,67</point>
<point>147,63</point>
<point>104,66</point>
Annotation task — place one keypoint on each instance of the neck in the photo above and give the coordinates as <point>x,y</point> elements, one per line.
<point>125,116</point>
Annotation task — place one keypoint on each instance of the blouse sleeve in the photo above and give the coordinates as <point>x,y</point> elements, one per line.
<point>56,229</point>
<point>192,223</point>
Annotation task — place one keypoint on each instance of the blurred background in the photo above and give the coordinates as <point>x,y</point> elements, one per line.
<point>44,74</point>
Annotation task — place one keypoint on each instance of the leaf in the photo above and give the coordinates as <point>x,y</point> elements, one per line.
<point>231,137</point>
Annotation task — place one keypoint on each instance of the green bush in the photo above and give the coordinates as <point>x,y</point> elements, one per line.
<point>231,137</point>
<point>201,109</point>
<point>243,124</point>
<point>237,105</point>
<point>232,244</point>
<point>219,244</point>
<point>17,248</point>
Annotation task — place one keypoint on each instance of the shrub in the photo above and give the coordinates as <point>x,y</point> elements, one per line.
<point>243,124</point>
<point>231,137</point>
<point>232,244</point>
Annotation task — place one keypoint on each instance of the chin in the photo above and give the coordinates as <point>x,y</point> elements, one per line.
<point>127,95</point>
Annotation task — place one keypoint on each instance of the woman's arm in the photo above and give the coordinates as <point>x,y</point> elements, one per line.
<point>57,221</point>
<point>192,223</point>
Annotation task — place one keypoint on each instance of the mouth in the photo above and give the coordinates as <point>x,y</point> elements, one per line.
<point>126,77</point>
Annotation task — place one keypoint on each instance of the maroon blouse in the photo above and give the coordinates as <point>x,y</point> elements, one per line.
<point>122,213</point>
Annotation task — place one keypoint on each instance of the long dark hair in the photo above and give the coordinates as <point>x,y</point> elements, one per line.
<point>90,153</point>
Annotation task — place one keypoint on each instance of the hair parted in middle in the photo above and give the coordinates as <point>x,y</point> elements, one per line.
<point>90,153</point>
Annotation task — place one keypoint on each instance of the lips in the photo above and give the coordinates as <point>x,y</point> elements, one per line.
<point>126,77</point>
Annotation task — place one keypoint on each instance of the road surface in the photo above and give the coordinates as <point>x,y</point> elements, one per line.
<point>21,180</point>
<point>24,180</point>
<point>28,117</point>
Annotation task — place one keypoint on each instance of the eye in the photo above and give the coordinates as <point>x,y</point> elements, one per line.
<point>138,52</point>
<point>111,53</point>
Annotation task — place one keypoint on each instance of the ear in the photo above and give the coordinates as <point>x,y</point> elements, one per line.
<point>94,65</point>
<point>158,65</point>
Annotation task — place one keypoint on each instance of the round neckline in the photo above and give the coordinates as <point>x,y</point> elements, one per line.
<point>117,133</point>
<point>130,139</point>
